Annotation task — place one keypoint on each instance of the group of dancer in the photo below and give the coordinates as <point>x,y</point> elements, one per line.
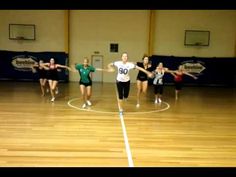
<point>48,72</point>
<point>146,71</point>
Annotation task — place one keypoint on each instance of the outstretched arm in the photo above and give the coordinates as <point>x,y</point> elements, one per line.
<point>33,66</point>
<point>101,69</point>
<point>110,67</point>
<point>45,66</point>
<point>73,68</point>
<point>33,69</point>
<point>63,66</point>
<point>149,74</point>
<point>186,73</point>
<point>172,72</point>
<point>167,70</point>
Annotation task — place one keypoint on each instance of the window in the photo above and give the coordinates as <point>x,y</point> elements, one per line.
<point>114,47</point>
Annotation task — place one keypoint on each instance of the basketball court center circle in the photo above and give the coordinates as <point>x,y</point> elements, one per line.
<point>163,106</point>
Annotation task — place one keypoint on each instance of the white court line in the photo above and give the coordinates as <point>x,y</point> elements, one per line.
<point>127,147</point>
<point>69,103</point>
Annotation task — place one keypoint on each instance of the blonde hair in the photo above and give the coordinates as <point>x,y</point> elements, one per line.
<point>86,58</point>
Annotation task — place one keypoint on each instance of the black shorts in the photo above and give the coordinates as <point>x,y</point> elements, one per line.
<point>142,79</point>
<point>53,78</point>
<point>85,84</point>
<point>42,74</point>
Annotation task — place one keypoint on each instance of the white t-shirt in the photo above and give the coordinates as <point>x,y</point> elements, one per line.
<point>123,70</point>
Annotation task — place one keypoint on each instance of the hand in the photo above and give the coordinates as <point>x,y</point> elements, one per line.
<point>33,70</point>
<point>150,75</point>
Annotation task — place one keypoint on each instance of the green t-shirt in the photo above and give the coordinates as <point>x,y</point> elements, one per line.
<point>84,72</point>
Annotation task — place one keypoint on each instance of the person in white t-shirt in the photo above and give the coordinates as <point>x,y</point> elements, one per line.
<point>123,78</point>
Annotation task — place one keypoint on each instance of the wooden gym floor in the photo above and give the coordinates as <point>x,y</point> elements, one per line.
<point>199,129</point>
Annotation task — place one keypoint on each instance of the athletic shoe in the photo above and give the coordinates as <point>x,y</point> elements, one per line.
<point>84,106</point>
<point>156,101</point>
<point>121,112</point>
<point>89,103</point>
<point>138,105</point>
<point>53,98</point>
<point>159,100</point>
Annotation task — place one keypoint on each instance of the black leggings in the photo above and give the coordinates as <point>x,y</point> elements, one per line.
<point>123,89</point>
<point>158,89</point>
<point>178,85</point>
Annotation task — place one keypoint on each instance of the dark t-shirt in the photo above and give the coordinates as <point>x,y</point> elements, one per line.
<point>141,75</point>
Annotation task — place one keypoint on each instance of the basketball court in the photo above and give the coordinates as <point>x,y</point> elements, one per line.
<point>198,129</point>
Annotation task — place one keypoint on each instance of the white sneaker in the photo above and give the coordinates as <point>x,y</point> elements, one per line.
<point>159,100</point>
<point>156,101</point>
<point>89,103</point>
<point>84,106</point>
<point>53,99</point>
<point>121,111</point>
<point>137,105</point>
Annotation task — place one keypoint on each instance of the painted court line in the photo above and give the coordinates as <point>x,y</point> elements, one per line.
<point>69,103</point>
<point>127,147</point>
